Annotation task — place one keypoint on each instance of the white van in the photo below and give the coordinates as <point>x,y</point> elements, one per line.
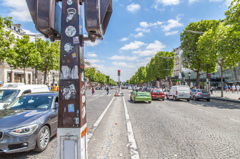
<point>179,92</point>
<point>10,91</point>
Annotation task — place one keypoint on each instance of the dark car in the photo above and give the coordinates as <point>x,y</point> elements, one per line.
<point>197,94</point>
<point>28,122</point>
<point>157,93</point>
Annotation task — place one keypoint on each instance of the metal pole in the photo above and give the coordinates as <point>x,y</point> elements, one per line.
<point>207,81</point>
<point>36,65</point>
<point>189,81</point>
<point>72,124</point>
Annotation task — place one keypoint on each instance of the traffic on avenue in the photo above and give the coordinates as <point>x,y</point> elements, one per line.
<point>120,127</point>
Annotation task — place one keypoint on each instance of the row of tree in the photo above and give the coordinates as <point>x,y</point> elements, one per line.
<point>160,66</point>
<point>21,53</point>
<point>101,78</point>
<point>213,43</point>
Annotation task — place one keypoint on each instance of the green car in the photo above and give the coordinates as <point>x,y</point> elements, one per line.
<point>140,97</point>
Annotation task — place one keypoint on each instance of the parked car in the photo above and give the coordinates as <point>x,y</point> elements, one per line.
<point>197,94</point>
<point>10,91</point>
<point>137,96</point>
<point>29,122</point>
<point>179,92</point>
<point>157,94</point>
<point>129,88</point>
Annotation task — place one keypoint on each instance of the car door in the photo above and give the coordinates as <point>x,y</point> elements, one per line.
<point>54,117</point>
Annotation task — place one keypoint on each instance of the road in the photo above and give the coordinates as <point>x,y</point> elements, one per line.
<point>166,129</point>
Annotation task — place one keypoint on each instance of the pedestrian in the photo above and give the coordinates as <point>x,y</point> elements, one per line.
<point>107,90</point>
<point>93,91</point>
<point>229,88</point>
<point>49,88</point>
<point>237,89</point>
<point>211,89</point>
<point>233,88</point>
<point>226,88</point>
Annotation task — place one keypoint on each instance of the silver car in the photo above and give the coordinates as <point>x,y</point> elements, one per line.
<point>28,122</point>
<point>197,94</point>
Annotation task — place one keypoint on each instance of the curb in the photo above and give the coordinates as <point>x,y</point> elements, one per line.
<point>225,99</point>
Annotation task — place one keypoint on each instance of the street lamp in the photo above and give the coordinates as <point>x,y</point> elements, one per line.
<point>53,78</point>
<point>11,79</point>
<point>189,75</point>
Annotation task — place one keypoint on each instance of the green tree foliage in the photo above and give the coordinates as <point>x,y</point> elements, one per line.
<point>90,73</point>
<point>221,46</point>
<point>6,39</point>
<point>232,15</point>
<point>192,56</point>
<point>50,56</point>
<point>25,55</point>
<point>142,74</point>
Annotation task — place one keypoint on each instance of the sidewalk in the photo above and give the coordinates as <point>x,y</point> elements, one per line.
<point>233,97</point>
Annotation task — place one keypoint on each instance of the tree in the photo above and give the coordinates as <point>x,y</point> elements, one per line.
<point>6,39</point>
<point>221,45</point>
<point>25,55</point>
<point>142,74</point>
<point>91,74</point>
<point>50,56</point>
<point>193,57</point>
<point>232,15</point>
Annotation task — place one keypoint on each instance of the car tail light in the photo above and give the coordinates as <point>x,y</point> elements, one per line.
<point>190,93</point>
<point>208,93</point>
<point>135,94</point>
<point>176,93</point>
<point>199,93</point>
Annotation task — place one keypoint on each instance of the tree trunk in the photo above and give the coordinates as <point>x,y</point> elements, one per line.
<point>24,75</point>
<point>198,79</point>
<point>45,76</point>
<point>221,81</point>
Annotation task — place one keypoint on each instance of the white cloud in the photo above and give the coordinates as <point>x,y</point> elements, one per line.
<point>146,24</point>
<point>92,55</point>
<point>192,1</point>
<point>89,43</point>
<point>18,10</point>
<point>142,30</point>
<point>133,7</point>
<point>171,33</point>
<point>94,60</point>
<point>138,35</point>
<point>165,3</point>
<point>124,39</point>
<point>124,64</point>
<point>172,24</point>
<point>128,58</point>
<point>151,49</point>
<point>226,2</point>
<point>132,46</point>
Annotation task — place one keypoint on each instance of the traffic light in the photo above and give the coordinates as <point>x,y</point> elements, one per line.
<point>209,76</point>
<point>118,72</point>
<point>46,15</point>
<point>97,18</point>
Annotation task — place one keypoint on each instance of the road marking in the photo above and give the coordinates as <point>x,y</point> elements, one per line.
<point>131,139</point>
<point>89,136</point>
<point>235,120</point>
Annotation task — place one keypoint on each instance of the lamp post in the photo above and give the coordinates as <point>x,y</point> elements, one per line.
<point>53,78</point>
<point>11,79</point>
<point>189,75</point>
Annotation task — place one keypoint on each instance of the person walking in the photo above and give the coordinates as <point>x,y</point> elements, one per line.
<point>93,91</point>
<point>237,89</point>
<point>233,88</point>
<point>226,88</point>
<point>211,90</point>
<point>107,90</point>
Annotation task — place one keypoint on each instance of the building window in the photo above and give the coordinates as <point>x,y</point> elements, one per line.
<point>9,77</point>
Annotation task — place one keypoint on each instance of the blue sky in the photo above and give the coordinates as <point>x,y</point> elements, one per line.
<point>138,29</point>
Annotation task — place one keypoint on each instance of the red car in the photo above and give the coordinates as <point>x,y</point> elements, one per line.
<point>157,94</point>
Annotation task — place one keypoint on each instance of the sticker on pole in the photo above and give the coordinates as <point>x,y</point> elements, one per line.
<point>71,14</point>
<point>70,31</point>
<point>69,2</point>
<point>69,47</point>
<point>70,107</point>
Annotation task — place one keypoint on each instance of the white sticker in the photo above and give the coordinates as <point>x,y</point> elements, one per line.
<point>67,73</point>
<point>83,112</point>
<point>83,90</point>
<point>70,31</point>
<point>69,47</point>
<point>71,13</point>
<point>69,2</point>
<point>69,92</point>
<point>83,99</point>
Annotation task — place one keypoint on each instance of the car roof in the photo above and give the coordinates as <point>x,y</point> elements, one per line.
<point>42,93</point>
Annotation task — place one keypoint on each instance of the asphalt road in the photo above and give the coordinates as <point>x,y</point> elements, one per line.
<point>160,130</point>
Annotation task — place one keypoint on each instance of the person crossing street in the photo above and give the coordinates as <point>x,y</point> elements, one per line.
<point>107,90</point>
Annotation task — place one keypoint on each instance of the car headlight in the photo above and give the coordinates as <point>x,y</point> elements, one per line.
<point>26,130</point>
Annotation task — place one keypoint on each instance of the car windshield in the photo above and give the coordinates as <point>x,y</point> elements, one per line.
<point>7,96</point>
<point>203,91</point>
<point>183,89</point>
<point>32,102</point>
<point>157,90</point>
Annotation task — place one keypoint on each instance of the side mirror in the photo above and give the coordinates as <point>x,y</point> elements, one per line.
<point>5,105</point>
<point>56,105</point>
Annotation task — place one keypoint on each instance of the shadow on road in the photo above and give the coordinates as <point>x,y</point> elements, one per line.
<point>217,104</point>
<point>22,155</point>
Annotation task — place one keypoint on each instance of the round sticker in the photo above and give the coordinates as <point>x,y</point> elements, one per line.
<point>69,47</point>
<point>83,99</point>
<point>70,31</point>
<point>83,112</point>
<point>69,2</point>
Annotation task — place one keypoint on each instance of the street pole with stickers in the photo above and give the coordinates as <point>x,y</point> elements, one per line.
<point>63,20</point>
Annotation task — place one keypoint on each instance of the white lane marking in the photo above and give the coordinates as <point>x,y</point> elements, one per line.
<point>89,136</point>
<point>131,138</point>
<point>235,120</point>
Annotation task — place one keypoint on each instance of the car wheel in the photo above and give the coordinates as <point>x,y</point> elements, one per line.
<point>167,96</point>
<point>163,99</point>
<point>194,98</point>
<point>174,98</point>
<point>188,100</point>
<point>149,102</point>
<point>133,100</point>
<point>208,100</point>
<point>130,99</point>
<point>42,139</point>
